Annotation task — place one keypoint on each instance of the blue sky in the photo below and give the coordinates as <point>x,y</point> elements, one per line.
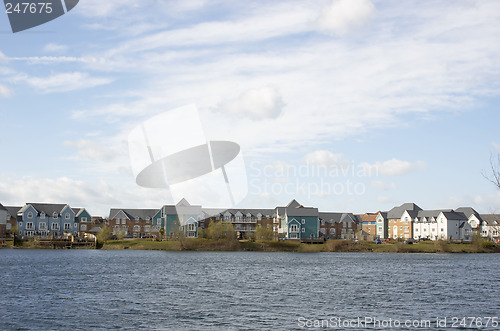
<point>406,89</point>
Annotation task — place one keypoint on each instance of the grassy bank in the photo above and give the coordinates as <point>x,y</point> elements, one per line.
<point>286,246</point>
<point>291,246</point>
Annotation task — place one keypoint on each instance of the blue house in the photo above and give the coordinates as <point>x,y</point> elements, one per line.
<point>181,217</point>
<point>298,222</point>
<point>43,219</point>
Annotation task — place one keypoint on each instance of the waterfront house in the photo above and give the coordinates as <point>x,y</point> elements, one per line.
<point>245,221</point>
<point>182,217</point>
<point>11,217</point>
<point>328,224</point>
<point>474,219</point>
<point>84,220</point>
<point>425,224</point>
<point>3,221</point>
<point>452,225</point>
<point>400,221</point>
<point>44,219</point>
<point>490,227</point>
<point>369,225</point>
<point>133,223</point>
<point>382,224</point>
<point>298,222</point>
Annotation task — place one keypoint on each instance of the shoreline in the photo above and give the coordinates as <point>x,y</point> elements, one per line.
<point>207,245</point>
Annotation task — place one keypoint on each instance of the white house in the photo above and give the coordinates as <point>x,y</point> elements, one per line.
<point>453,225</point>
<point>474,219</point>
<point>490,227</point>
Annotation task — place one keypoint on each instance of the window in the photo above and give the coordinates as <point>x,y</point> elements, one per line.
<point>400,228</point>
<point>29,226</point>
<point>42,226</point>
<point>147,228</point>
<point>303,221</point>
<point>20,225</point>
<point>124,221</point>
<point>54,215</point>
<point>67,216</point>
<point>67,226</point>
<point>294,228</point>
<point>83,219</point>
<point>30,215</point>
<point>303,229</point>
<point>42,215</point>
<point>442,230</point>
<point>55,226</point>
<point>83,227</point>
<point>75,225</point>
<point>118,221</point>
<point>137,228</point>
<point>190,227</point>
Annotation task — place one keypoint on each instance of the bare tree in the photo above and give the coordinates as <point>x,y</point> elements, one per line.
<point>494,176</point>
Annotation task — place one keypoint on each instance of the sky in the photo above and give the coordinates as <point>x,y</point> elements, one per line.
<point>345,105</point>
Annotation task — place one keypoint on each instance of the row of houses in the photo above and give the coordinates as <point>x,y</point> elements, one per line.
<point>293,221</point>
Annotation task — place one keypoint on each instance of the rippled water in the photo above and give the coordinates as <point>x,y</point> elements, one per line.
<point>95,289</point>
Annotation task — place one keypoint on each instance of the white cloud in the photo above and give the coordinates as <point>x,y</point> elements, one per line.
<point>89,150</point>
<point>257,104</point>
<point>55,48</point>
<point>64,82</point>
<point>325,158</point>
<point>343,16</point>
<point>5,91</point>
<point>383,186</point>
<point>98,197</point>
<point>393,167</point>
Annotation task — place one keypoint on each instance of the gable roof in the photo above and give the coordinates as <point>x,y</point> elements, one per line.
<point>338,217</point>
<point>13,210</point>
<point>2,207</point>
<point>455,216</point>
<point>132,214</point>
<point>397,212</point>
<point>302,211</point>
<point>469,211</point>
<point>47,208</point>
<point>431,213</point>
<point>491,218</point>
<point>293,204</point>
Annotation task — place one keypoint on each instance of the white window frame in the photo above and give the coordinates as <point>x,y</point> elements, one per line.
<point>67,226</point>
<point>30,226</point>
<point>42,226</point>
<point>303,221</point>
<point>67,216</point>
<point>55,215</point>
<point>83,227</point>
<point>83,220</point>
<point>30,215</point>
<point>54,226</point>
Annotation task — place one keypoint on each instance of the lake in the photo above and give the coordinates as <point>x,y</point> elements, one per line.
<point>157,290</point>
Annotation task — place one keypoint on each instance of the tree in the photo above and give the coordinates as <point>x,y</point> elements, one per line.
<point>263,233</point>
<point>220,231</point>
<point>494,177</point>
<point>103,236</point>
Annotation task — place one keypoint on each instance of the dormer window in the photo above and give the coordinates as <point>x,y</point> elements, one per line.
<point>42,215</point>
<point>54,215</point>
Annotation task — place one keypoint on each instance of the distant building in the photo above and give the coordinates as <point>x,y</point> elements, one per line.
<point>3,221</point>
<point>490,227</point>
<point>134,223</point>
<point>11,217</point>
<point>338,225</point>
<point>382,225</point>
<point>369,225</point>
<point>45,219</point>
<point>298,222</point>
<point>400,221</point>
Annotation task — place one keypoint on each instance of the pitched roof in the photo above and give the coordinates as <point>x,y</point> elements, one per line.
<point>431,213</point>
<point>13,210</point>
<point>455,216</point>
<point>397,212</point>
<point>301,212</point>
<point>2,207</point>
<point>490,219</point>
<point>338,217</point>
<point>468,211</point>
<point>293,204</point>
<point>132,214</point>
<point>47,208</point>
<point>78,211</point>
